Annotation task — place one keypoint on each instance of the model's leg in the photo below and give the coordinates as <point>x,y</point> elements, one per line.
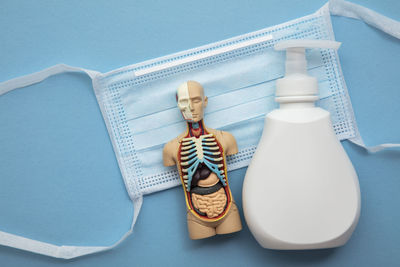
<point>198,229</point>
<point>231,223</point>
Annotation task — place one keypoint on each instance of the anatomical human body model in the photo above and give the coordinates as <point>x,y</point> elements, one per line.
<point>199,153</point>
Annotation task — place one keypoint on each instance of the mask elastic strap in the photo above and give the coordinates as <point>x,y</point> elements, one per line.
<point>39,247</point>
<point>42,75</point>
<point>374,19</point>
<point>64,252</point>
<point>350,10</point>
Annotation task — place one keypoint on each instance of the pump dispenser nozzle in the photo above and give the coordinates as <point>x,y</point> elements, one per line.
<point>297,85</point>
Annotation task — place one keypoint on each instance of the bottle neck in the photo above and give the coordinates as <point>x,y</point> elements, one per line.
<point>296,102</point>
<point>294,105</point>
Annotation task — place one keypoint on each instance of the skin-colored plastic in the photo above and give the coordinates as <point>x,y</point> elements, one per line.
<point>210,206</point>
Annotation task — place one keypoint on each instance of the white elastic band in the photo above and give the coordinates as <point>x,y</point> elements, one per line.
<point>37,77</point>
<point>64,252</point>
<point>374,19</point>
<point>358,141</point>
<point>350,10</point>
<point>48,249</point>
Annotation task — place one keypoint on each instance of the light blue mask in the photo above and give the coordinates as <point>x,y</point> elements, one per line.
<point>139,107</point>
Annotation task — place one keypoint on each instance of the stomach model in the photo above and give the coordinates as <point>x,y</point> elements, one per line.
<point>202,169</point>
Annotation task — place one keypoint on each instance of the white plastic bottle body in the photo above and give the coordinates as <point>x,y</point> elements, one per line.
<point>301,190</point>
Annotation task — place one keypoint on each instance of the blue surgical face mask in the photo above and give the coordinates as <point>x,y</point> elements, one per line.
<point>139,107</point>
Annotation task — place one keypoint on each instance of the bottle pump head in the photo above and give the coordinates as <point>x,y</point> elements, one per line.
<point>297,85</point>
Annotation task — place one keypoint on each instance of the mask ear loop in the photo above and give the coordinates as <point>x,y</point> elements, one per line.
<point>39,247</point>
<point>374,19</point>
<point>65,252</point>
<point>42,75</point>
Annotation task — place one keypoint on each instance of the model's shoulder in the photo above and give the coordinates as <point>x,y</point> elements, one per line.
<point>170,144</point>
<point>227,140</point>
<point>170,151</point>
<point>213,131</point>
<point>175,142</point>
<point>181,136</point>
<point>220,134</point>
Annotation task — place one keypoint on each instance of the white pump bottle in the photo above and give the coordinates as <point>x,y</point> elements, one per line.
<point>301,190</point>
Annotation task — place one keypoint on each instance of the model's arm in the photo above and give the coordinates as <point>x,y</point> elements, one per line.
<point>168,154</point>
<point>230,143</point>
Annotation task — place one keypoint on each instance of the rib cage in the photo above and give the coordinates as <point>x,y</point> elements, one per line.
<point>204,149</point>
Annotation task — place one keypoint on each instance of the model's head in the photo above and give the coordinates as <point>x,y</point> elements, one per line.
<point>191,101</point>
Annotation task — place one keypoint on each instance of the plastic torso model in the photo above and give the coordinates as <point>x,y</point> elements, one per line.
<point>199,154</point>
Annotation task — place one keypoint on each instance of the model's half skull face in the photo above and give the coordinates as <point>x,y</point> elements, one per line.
<point>191,101</point>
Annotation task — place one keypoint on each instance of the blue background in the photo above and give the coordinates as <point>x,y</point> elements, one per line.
<point>59,179</point>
